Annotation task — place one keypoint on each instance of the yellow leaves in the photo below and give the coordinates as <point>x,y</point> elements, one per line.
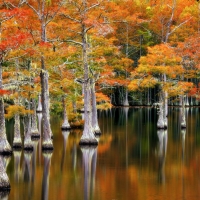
<point>16,109</point>
<point>147,82</point>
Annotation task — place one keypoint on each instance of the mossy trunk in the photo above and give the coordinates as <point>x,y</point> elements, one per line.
<point>39,108</point>
<point>47,143</point>
<point>17,141</point>
<point>34,129</point>
<point>5,147</point>
<point>65,125</point>
<point>88,137</point>
<point>95,124</point>
<point>28,143</point>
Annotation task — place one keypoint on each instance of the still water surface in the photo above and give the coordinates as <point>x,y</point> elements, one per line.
<point>132,161</point>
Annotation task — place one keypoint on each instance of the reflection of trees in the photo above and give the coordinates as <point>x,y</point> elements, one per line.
<point>39,115</point>
<point>17,156</point>
<point>45,179</point>
<point>27,171</point>
<point>162,150</point>
<point>4,180</point>
<point>34,157</point>
<point>89,164</point>
<point>65,134</point>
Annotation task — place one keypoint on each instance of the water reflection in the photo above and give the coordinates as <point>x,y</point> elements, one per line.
<point>127,165</point>
<point>89,164</point>
<point>65,134</point>
<point>4,179</point>
<point>45,179</point>
<point>162,150</point>
<point>27,171</point>
<point>17,157</point>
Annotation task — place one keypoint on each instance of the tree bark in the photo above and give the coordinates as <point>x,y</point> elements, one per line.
<point>65,125</point>
<point>95,124</point>
<point>34,129</point>
<point>17,142</point>
<point>88,137</point>
<point>28,144</point>
<point>5,147</point>
<point>46,142</point>
<point>39,108</point>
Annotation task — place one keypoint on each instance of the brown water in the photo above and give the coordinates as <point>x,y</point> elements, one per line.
<point>132,161</point>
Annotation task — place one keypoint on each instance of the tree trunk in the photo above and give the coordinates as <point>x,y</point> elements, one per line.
<point>5,147</point>
<point>4,180</point>
<point>39,108</point>
<point>46,142</point>
<point>160,123</point>
<point>34,129</point>
<point>88,137</point>
<point>182,114</point>
<point>17,142</point>
<point>95,124</point>
<point>28,144</point>
<point>65,125</point>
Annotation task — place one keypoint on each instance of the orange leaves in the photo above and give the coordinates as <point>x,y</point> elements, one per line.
<point>175,89</point>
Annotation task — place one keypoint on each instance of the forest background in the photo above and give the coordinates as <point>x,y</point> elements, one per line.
<point>95,54</point>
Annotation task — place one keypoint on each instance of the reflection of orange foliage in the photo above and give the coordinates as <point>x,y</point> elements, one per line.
<point>104,143</point>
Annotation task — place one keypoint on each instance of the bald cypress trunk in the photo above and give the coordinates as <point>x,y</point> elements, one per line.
<point>5,147</point>
<point>95,124</point>
<point>88,137</point>
<point>65,125</point>
<point>28,144</point>
<point>17,142</point>
<point>46,142</point>
<point>39,108</point>
<point>34,129</point>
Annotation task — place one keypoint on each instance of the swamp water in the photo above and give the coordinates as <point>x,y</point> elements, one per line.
<point>132,161</point>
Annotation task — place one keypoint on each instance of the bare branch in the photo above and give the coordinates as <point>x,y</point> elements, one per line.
<point>75,42</point>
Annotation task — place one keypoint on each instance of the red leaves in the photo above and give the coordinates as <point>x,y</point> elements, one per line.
<point>3,92</point>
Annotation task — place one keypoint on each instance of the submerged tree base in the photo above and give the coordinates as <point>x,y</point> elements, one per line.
<point>5,148</point>
<point>97,132</point>
<point>28,145</point>
<point>88,142</point>
<point>17,146</point>
<point>4,182</point>
<point>47,146</point>
<point>4,192</point>
<point>17,143</point>
<point>65,128</point>
<point>35,136</point>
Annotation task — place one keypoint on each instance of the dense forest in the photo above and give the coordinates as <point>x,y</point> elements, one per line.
<point>69,57</point>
